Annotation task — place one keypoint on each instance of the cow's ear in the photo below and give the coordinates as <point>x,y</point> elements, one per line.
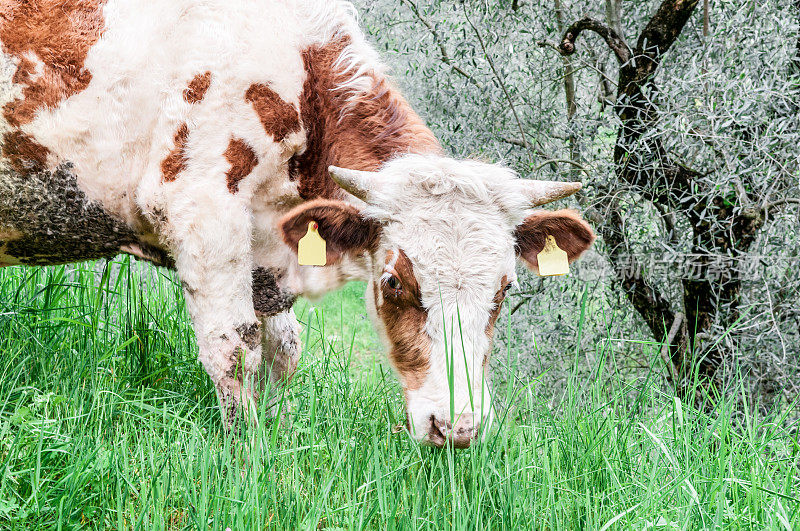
<point>342,226</point>
<point>572,234</point>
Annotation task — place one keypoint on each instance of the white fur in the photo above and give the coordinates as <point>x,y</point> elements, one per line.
<point>455,222</point>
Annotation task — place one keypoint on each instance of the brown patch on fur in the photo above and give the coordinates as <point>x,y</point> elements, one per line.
<point>572,234</point>
<point>404,318</point>
<point>242,159</point>
<point>60,34</point>
<point>23,153</point>
<point>25,69</point>
<point>278,117</point>
<point>341,226</point>
<point>196,91</point>
<point>360,135</point>
<point>175,161</point>
<point>375,300</point>
<point>499,297</point>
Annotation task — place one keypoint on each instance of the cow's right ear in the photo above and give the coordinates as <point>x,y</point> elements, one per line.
<point>342,226</point>
<point>571,233</point>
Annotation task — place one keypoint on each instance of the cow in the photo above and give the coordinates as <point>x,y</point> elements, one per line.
<point>207,135</point>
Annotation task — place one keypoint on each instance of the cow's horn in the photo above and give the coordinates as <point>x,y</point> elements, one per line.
<point>543,192</point>
<point>357,182</point>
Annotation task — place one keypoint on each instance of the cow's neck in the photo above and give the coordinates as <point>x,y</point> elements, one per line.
<point>358,128</point>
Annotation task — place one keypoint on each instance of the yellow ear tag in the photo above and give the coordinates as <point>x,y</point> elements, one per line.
<point>311,247</point>
<point>552,260</point>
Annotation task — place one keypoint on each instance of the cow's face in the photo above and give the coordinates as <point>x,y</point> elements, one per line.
<point>441,239</point>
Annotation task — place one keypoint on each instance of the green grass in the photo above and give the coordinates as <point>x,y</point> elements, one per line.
<point>108,422</point>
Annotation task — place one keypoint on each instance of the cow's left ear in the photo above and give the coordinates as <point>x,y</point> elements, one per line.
<point>572,234</point>
<point>341,225</point>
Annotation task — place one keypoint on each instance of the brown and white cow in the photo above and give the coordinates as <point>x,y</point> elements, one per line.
<point>198,134</point>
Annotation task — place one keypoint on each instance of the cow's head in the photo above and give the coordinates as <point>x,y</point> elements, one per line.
<point>440,238</point>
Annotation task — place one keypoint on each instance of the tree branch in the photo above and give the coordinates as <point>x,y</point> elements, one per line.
<point>502,84</point>
<point>519,143</point>
<point>664,28</point>
<point>570,96</point>
<point>796,59</point>
<point>577,165</point>
<point>445,57</point>
<point>612,38</point>
<point>513,141</point>
<point>614,16</point>
<point>769,207</point>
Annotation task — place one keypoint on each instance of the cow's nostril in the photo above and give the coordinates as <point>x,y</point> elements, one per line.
<point>436,437</point>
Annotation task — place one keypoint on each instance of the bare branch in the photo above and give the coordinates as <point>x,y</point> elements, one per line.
<point>612,38</point>
<point>614,21</point>
<point>578,165</point>
<point>547,44</point>
<point>537,147</point>
<point>795,66</point>
<point>569,81</point>
<point>513,141</point>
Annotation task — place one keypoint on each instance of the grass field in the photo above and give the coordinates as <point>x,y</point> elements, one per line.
<point>108,422</point>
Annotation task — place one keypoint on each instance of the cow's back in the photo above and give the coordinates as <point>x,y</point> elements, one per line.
<point>105,102</point>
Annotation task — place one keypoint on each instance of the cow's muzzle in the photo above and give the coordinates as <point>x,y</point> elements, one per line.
<point>443,433</point>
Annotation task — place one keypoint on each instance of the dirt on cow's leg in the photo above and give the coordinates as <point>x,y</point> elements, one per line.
<point>231,360</point>
<point>237,405</point>
<point>229,345</point>
<point>281,352</point>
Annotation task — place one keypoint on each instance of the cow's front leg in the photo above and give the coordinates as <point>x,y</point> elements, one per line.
<point>281,348</point>
<point>214,262</point>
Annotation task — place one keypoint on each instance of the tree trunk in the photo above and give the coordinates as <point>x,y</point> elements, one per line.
<point>650,170</point>
<point>723,228</point>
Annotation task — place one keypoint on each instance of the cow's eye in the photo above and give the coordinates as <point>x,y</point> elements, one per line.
<point>394,284</point>
<point>508,287</point>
